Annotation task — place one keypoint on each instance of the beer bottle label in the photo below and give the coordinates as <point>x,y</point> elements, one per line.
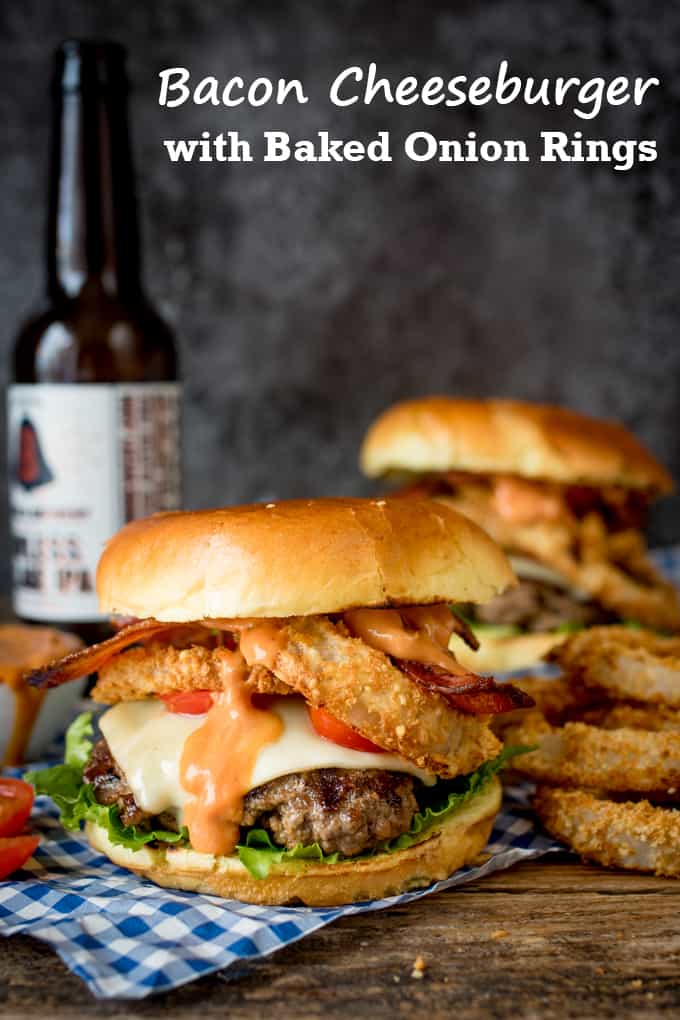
<point>82,460</point>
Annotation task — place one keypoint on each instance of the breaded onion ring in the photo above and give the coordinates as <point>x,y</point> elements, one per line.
<point>161,669</point>
<point>560,703</point>
<point>629,835</point>
<point>365,690</point>
<point>654,718</point>
<point>554,699</point>
<point>621,663</point>
<point>581,755</point>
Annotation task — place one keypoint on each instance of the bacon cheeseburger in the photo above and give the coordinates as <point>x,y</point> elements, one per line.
<point>287,723</point>
<point>565,495</point>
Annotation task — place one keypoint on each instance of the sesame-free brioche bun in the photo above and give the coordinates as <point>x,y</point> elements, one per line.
<point>506,654</point>
<point>298,558</point>
<point>451,844</point>
<point>537,441</point>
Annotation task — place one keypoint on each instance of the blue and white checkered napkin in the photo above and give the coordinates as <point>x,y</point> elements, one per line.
<point>127,938</point>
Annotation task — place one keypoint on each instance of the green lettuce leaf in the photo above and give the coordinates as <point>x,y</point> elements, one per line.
<point>75,798</point>
<point>570,627</point>
<point>258,853</point>
<point>79,741</point>
<point>76,803</point>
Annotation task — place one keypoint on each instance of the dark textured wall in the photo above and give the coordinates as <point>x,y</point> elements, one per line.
<point>307,297</point>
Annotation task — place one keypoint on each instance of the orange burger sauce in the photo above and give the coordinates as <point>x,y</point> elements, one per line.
<point>420,633</point>
<point>218,760</point>
<point>23,648</point>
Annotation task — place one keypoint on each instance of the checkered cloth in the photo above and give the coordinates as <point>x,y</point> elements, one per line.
<point>127,938</point>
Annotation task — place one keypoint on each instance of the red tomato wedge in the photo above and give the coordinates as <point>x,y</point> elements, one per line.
<point>326,725</point>
<point>188,702</point>
<point>14,853</point>
<point>16,801</point>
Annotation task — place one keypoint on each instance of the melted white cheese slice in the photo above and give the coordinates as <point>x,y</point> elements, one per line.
<point>147,742</point>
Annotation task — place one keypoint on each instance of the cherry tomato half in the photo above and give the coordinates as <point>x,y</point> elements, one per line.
<point>188,702</point>
<point>16,801</point>
<point>326,725</point>
<point>14,852</point>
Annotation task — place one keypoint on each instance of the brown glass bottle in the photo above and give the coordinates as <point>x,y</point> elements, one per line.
<point>93,408</point>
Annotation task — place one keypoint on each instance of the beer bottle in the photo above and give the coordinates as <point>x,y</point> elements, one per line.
<point>94,399</point>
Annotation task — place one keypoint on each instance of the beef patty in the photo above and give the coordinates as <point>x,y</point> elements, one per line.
<point>540,607</point>
<point>343,810</point>
<point>110,785</point>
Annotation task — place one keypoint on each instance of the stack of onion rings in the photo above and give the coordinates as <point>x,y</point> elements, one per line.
<point>607,748</point>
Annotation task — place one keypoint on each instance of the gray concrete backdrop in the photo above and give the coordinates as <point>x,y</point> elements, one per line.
<point>307,297</point>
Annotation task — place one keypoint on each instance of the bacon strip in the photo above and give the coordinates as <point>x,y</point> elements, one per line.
<point>475,695</point>
<point>464,631</point>
<point>89,660</point>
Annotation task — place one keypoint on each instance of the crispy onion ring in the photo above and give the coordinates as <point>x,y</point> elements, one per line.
<point>654,718</point>
<point>620,663</point>
<point>560,703</point>
<point>577,754</point>
<point>636,836</point>
<point>554,699</point>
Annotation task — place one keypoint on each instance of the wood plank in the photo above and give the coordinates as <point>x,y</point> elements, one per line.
<point>578,942</point>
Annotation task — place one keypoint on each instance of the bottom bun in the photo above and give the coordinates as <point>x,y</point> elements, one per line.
<point>450,845</point>
<point>505,654</point>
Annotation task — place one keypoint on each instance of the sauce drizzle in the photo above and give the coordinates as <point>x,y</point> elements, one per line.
<point>261,643</point>
<point>418,633</point>
<point>23,648</point>
<point>218,760</point>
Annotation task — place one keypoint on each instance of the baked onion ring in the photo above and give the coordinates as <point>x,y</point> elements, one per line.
<point>576,754</point>
<point>555,699</point>
<point>654,718</point>
<point>635,836</point>
<point>623,663</point>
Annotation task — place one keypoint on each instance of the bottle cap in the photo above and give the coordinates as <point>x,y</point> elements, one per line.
<point>89,64</point>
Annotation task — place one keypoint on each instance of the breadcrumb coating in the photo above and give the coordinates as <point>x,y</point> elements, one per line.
<point>635,665</point>
<point>631,835</point>
<point>578,754</point>
<point>159,669</point>
<point>655,718</point>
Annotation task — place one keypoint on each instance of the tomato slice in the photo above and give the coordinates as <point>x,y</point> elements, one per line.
<point>16,801</point>
<point>14,853</point>
<point>326,725</point>
<point>188,702</point>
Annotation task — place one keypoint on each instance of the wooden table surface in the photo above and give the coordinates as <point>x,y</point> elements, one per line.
<point>550,938</point>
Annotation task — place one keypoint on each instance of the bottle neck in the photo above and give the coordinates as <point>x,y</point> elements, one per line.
<point>93,238</point>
